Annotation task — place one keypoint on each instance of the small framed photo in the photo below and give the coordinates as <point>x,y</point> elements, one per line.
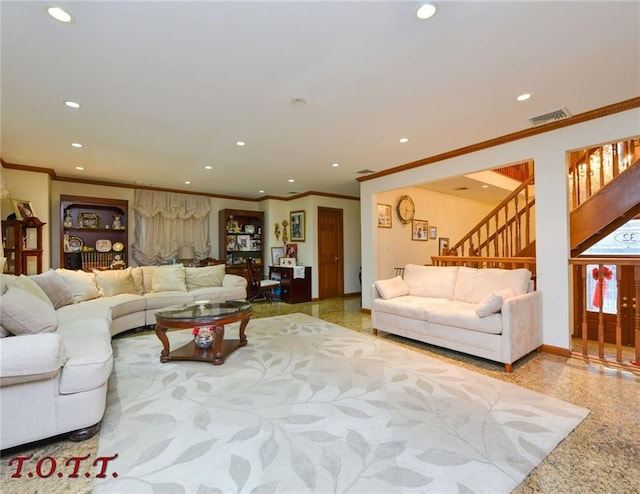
<point>443,246</point>
<point>276,254</point>
<point>287,261</point>
<point>433,232</point>
<point>296,220</point>
<point>420,230</point>
<point>384,216</point>
<point>244,242</point>
<point>23,209</point>
<point>291,251</point>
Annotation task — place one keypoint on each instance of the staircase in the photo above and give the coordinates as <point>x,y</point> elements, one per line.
<point>604,194</point>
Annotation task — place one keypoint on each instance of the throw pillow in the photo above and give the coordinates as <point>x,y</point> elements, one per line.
<point>169,278</point>
<point>492,303</point>
<point>391,288</point>
<point>55,288</point>
<point>115,282</point>
<point>28,285</point>
<point>24,313</point>
<point>80,283</point>
<point>205,277</point>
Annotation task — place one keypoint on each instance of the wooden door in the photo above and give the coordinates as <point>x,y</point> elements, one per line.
<point>330,253</point>
<point>609,301</point>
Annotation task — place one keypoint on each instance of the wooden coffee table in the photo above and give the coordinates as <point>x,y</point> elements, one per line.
<point>198,314</point>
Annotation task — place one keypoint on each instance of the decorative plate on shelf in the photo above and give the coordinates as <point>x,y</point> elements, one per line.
<point>118,247</point>
<point>75,244</point>
<point>103,245</point>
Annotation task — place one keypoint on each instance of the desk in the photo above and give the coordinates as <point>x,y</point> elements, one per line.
<point>292,290</point>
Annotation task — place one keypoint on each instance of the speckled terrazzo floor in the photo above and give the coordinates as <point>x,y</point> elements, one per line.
<point>601,456</point>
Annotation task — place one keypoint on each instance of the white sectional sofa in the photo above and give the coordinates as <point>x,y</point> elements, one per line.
<point>489,313</point>
<point>56,328</point>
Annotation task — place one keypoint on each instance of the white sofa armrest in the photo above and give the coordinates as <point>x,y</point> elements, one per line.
<point>234,281</point>
<point>30,358</point>
<point>521,325</point>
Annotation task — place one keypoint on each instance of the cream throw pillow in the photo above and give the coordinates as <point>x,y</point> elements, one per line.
<point>492,303</point>
<point>80,283</point>
<point>391,288</point>
<point>169,278</point>
<point>115,282</point>
<point>28,285</point>
<point>205,277</point>
<point>24,313</point>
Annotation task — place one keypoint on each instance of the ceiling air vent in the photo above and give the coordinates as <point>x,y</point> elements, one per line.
<point>461,188</point>
<point>365,172</point>
<point>552,116</point>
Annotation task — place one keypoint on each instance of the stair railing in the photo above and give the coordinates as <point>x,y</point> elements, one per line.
<point>505,231</point>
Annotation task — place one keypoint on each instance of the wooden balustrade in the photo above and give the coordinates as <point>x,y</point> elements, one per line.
<point>487,262</point>
<point>629,304</point>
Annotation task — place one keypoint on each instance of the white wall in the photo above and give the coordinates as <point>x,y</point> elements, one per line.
<point>548,151</point>
<point>395,246</point>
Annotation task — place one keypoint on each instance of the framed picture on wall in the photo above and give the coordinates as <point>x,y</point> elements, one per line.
<point>384,215</point>
<point>296,220</point>
<point>419,230</point>
<point>443,246</point>
<point>23,209</point>
<point>433,232</point>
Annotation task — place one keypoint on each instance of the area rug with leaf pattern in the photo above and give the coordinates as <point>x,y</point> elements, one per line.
<point>309,406</point>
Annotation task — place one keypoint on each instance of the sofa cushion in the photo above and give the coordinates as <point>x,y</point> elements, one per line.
<point>56,289</point>
<point>161,300</point>
<point>87,344</point>
<point>492,303</point>
<point>473,284</point>
<point>28,285</point>
<point>391,288</point>
<point>81,284</point>
<point>219,294</point>
<point>23,313</point>
<point>169,278</point>
<point>115,306</point>
<point>206,276</point>
<point>91,309</point>
<point>463,315</point>
<point>115,282</point>
<point>431,281</point>
<point>138,279</point>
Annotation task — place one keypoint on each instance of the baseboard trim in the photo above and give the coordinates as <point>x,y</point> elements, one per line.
<point>556,350</point>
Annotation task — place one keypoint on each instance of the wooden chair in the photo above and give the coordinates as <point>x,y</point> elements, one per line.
<point>259,288</point>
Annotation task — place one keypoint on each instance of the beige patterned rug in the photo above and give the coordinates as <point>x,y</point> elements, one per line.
<point>309,406</point>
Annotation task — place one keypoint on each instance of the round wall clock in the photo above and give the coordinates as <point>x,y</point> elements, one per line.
<point>405,209</point>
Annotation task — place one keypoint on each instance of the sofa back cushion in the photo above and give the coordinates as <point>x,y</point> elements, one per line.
<point>392,288</point>
<point>473,285</point>
<point>431,281</point>
<point>207,276</point>
<point>28,285</point>
<point>169,278</point>
<point>115,282</point>
<point>56,289</point>
<point>24,313</point>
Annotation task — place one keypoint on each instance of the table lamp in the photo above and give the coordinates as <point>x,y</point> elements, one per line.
<point>186,255</point>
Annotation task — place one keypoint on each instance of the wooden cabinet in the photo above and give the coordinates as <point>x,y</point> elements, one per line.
<point>93,232</point>
<point>22,242</point>
<point>240,237</point>
<point>294,288</point>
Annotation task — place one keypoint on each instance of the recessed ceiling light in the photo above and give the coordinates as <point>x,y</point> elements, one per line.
<point>241,143</point>
<point>59,15</point>
<point>208,167</point>
<point>523,97</point>
<point>485,186</point>
<point>425,11</point>
<point>80,168</point>
<point>403,140</point>
<point>76,145</point>
<point>72,104</point>
<point>291,180</point>
<point>335,165</point>
<point>187,182</point>
<point>261,192</point>
<point>298,102</point>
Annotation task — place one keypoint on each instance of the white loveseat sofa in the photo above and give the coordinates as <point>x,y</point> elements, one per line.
<point>56,328</point>
<point>489,313</point>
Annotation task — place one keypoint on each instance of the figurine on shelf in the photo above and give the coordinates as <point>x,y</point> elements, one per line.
<point>117,222</point>
<point>68,220</point>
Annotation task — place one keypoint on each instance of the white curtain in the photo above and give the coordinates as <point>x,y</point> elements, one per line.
<point>166,221</point>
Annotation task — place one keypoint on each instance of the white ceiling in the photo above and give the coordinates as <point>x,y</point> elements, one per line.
<point>169,87</point>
